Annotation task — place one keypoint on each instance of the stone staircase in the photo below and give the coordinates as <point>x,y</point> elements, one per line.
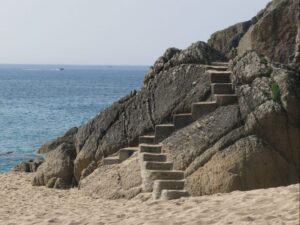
<point>157,173</point>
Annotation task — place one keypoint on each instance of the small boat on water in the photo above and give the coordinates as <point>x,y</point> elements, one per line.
<point>61,69</point>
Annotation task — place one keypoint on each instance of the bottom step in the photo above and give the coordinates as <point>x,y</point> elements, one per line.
<point>160,185</point>
<point>173,194</point>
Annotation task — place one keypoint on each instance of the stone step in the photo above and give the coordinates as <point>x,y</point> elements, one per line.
<point>125,153</point>
<point>160,185</point>
<point>202,108</point>
<point>173,194</point>
<point>158,165</point>
<point>219,76</point>
<point>222,88</point>
<point>225,99</point>
<point>165,175</point>
<point>163,131</point>
<point>150,148</point>
<point>220,64</point>
<point>153,157</point>
<point>147,139</point>
<point>218,68</point>
<point>182,120</point>
<point>111,160</point>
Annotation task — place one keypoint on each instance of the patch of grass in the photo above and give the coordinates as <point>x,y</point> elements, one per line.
<point>275,92</point>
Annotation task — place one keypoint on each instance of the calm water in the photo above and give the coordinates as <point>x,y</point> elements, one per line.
<point>39,103</point>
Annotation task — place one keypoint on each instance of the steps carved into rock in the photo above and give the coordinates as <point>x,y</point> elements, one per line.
<point>150,148</point>
<point>225,99</point>
<point>160,185</point>
<point>218,68</point>
<point>223,88</point>
<point>158,165</point>
<point>157,174</point>
<point>111,160</point>
<point>219,76</point>
<point>163,131</point>
<point>220,64</point>
<point>147,139</point>
<point>182,120</point>
<point>153,157</point>
<point>202,108</point>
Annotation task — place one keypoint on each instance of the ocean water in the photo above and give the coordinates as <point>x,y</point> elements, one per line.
<point>40,102</point>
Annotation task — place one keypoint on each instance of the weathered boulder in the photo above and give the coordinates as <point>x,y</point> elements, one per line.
<point>114,181</point>
<point>57,170</point>
<point>228,39</point>
<point>171,89</point>
<point>249,163</point>
<point>28,166</point>
<point>275,33</point>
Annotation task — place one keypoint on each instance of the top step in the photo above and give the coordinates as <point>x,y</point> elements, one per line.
<point>218,68</point>
<point>220,64</point>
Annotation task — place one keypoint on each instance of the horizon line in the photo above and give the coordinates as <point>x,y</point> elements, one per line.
<point>66,64</point>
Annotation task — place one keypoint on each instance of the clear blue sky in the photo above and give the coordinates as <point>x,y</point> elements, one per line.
<point>132,32</point>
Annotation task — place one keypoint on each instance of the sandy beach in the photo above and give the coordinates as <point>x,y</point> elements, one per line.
<point>23,204</point>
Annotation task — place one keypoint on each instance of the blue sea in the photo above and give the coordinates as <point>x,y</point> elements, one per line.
<point>40,102</point>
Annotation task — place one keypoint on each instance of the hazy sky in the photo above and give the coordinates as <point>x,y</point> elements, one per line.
<point>112,31</point>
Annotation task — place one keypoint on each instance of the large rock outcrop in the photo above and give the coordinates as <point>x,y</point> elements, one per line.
<point>170,87</point>
<point>275,33</point>
<point>272,32</point>
<point>248,145</point>
<point>197,53</point>
<point>253,144</point>
<point>227,40</point>
<point>249,163</point>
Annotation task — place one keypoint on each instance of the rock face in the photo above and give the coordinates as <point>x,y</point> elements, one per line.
<point>272,32</point>
<point>254,144</point>
<point>275,33</point>
<point>197,53</point>
<point>250,163</point>
<point>227,40</point>
<point>171,85</point>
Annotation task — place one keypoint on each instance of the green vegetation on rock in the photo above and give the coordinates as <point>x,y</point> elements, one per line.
<point>275,92</point>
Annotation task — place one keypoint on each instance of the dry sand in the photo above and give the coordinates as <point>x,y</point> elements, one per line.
<point>23,204</point>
